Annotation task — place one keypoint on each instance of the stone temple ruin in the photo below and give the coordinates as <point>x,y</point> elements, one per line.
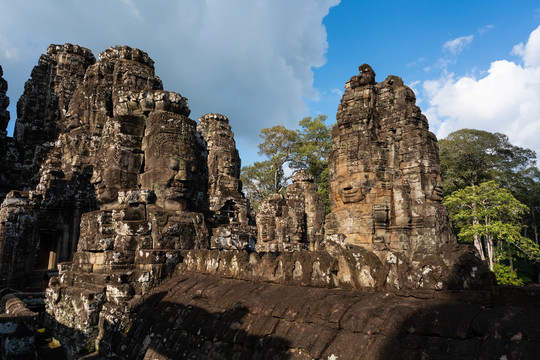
<point>159,256</point>
<point>385,178</point>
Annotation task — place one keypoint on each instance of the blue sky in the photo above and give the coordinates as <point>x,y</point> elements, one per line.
<point>471,64</point>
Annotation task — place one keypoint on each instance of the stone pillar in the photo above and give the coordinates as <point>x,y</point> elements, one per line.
<point>232,226</point>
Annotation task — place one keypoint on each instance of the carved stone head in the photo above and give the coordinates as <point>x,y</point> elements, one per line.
<point>174,168</point>
<point>119,157</point>
<point>367,75</point>
<point>432,185</point>
<point>349,184</point>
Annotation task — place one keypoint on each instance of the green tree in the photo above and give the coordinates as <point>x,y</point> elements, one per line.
<point>506,275</point>
<point>490,217</point>
<point>469,157</point>
<point>287,151</point>
<point>526,187</point>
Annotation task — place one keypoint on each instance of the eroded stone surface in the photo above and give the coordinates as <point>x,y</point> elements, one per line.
<point>232,225</point>
<point>293,221</point>
<point>226,318</point>
<point>384,171</point>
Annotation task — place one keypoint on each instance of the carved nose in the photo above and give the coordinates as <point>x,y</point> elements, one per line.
<point>348,187</point>
<point>181,175</point>
<point>95,179</point>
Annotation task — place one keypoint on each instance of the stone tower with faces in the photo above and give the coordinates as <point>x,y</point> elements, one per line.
<point>384,171</point>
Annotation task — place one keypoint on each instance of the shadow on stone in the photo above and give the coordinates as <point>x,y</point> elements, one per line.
<point>164,329</point>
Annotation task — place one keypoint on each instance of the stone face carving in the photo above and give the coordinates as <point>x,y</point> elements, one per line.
<point>292,222</point>
<point>384,170</point>
<point>232,226</point>
<point>42,108</point>
<point>119,157</point>
<point>175,166</point>
<point>306,210</point>
<point>149,172</point>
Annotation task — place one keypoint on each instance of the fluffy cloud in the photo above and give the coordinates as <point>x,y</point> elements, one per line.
<point>505,100</point>
<point>250,60</point>
<point>530,52</point>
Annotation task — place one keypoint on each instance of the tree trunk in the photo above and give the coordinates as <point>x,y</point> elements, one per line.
<point>477,241</point>
<point>534,224</point>
<point>489,243</point>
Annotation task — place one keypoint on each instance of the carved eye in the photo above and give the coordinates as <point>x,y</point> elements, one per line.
<point>174,164</point>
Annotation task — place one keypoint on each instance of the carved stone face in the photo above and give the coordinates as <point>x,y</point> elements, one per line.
<point>171,162</point>
<point>352,187</point>
<point>178,169</point>
<point>433,186</point>
<point>267,229</point>
<point>367,75</point>
<point>225,164</point>
<point>106,179</point>
<point>118,158</point>
<point>118,171</point>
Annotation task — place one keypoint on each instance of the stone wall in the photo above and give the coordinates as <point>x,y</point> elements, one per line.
<point>354,267</point>
<point>206,317</point>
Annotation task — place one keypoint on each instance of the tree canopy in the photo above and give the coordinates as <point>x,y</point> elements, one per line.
<point>287,151</point>
<point>469,157</point>
<point>473,161</point>
<point>492,215</point>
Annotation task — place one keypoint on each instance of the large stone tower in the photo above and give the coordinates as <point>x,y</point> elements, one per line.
<point>384,170</point>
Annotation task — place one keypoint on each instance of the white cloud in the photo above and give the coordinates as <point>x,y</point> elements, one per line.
<point>485,29</point>
<point>7,50</point>
<point>250,60</point>
<point>338,92</point>
<point>132,8</point>
<point>451,49</point>
<point>457,45</point>
<point>504,100</point>
<point>530,52</point>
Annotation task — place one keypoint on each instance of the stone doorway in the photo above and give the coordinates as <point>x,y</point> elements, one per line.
<point>48,251</point>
